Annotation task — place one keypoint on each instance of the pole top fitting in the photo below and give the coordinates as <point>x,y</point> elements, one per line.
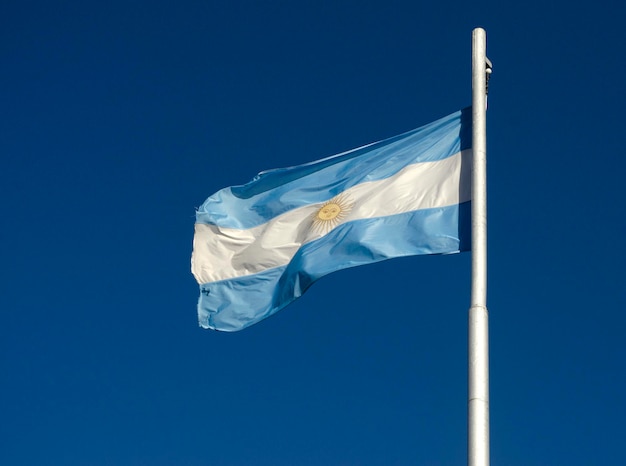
<point>488,71</point>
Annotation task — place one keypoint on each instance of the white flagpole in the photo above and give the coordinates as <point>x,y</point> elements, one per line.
<point>478,345</point>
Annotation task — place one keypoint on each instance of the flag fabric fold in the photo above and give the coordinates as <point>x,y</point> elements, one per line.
<point>259,246</point>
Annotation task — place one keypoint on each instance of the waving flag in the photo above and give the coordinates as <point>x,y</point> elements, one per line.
<point>259,246</point>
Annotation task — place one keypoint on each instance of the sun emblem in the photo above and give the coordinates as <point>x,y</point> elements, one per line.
<point>332,213</point>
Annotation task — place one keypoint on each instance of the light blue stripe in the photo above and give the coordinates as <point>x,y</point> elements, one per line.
<point>234,304</point>
<point>275,192</point>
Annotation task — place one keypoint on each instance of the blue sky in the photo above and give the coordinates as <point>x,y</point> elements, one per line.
<point>119,119</point>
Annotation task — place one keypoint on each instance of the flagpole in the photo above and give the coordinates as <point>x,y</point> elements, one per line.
<point>478,341</point>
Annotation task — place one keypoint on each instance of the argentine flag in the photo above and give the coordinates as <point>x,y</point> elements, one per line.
<point>259,246</point>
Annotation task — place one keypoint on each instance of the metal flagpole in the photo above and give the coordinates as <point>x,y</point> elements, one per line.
<point>478,344</point>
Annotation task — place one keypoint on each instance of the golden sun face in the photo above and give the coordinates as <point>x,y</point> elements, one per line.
<point>332,213</point>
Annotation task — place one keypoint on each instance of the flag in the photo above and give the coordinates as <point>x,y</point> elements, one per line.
<point>259,246</point>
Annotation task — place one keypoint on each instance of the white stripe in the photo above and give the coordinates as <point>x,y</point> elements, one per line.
<point>222,253</point>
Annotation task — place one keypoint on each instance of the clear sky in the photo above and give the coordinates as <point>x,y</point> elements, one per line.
<point>119,118</point>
